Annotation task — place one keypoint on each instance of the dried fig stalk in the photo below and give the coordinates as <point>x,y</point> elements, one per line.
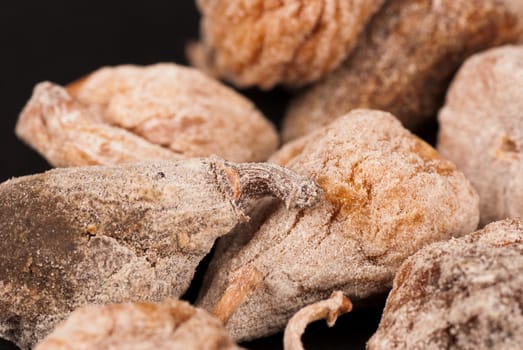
<point>386,194</point>
<point>482,129</point>
<point>132,113</point>
<point>171,324</point>
<point>328,309</point>
<point>404,61</point>
<point>265,42</point>
<point>462,294</point>
<point>113,234</point>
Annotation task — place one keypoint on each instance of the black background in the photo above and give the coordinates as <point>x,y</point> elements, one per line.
<point>63,40</point>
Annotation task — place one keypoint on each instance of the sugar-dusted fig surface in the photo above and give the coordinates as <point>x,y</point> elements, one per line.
<point>481,129</point>
<point>167,325</point>
<point>386,194</point>
<point>132,113</point>
<point>465,293</point>
<point>65,133</point>
<point>266,42</point>
<point>120,233</point>
<point>404,61</point>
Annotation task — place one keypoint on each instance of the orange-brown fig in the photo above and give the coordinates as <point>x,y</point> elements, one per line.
<point>265,42</point>
<point>404,61</point>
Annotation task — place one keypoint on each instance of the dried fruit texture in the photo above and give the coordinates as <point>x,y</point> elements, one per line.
<point>386,194</point>
<point>462,294</point>
<point>482,129</point>
<point>171,324</point>
<point>516,6</point>
<point>67,134</point>
<point>268,42</point>
<point>404,61</point>
<point>112,234</point>
<point>328,309</point>
<point>166,111</point>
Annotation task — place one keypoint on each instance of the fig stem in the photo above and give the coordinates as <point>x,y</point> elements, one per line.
<point>329,309</point>
<point>244,283</point>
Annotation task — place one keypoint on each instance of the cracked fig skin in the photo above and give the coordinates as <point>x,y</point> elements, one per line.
<point>120,233</point>
<point>169,325</point>
<point>133,113</point>
<point>466,293</point>
<point>267,42</point>
<point>404,61</point>
<point>481,129</point>
<point>386,194</point>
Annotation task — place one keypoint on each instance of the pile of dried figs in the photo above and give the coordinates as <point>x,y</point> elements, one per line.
<point>160,166</point>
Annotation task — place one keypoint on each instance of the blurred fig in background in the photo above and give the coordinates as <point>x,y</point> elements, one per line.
<point>404,61</point>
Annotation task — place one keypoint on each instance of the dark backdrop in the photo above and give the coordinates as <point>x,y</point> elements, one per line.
<point>62,40</point>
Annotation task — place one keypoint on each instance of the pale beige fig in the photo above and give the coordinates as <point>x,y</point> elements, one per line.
<point>109,234</point>
<point>404,61</point>
<point>386,194</point>
<point>329,310</point>
<point>481,129</point>
<point>264,42</point>
<point>466,293</point>
<point>167,325</point>
<point>132,113</point>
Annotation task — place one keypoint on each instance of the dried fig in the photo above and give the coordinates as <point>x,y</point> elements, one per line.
<point>462,294</point>
<point>165,110</point>
<point>67,134</point>
<point>482,129</point>
<point>171,324</point>
<point>118,233</point>
<point>404,61</point>
<point>266,42</point>
<point>386,193</point>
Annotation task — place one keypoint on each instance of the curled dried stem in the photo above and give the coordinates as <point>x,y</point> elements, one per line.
<point>244,283</point>
<point>329,309</point>
<point>254,180</point>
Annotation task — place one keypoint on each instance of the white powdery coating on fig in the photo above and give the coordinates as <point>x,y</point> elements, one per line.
<point>171,324</point>
<point>386,194</point>
<point>181,109</point>
<point>130,113</point>
<point>482,129</point>
<point>111,234</point>
<point>66,134</point>
<point>466,293</point>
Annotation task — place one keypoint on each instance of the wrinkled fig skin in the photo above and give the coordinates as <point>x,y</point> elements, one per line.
<point>404,61</point>
<point>264,42</point>
<point>481,129</point>
<point>169,325</point>
<point>113,234</point>
<point>386,194</point>
<point>135,113</point>
<point>466,293</point>
<point>181,109</point>
<point>66,134</point>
